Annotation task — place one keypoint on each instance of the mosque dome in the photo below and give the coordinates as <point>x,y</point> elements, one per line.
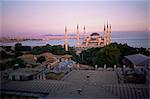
<point>94,34</point>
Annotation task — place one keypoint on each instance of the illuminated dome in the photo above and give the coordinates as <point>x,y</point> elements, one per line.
<point>94,34</point>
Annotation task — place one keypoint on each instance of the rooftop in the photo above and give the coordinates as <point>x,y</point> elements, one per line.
<point>94,34</point>
<point>66,56</point>
<point>138,59</point>
<point>99,85</point>
<point>25,71</point>
<point>34,86</point>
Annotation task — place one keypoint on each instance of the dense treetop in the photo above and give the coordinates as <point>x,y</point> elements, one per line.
<point>110,55</point>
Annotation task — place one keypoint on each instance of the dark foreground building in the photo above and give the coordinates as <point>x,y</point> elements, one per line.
<point>98,85</point>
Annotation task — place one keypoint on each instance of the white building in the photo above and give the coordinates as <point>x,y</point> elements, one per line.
<point>96,40</point>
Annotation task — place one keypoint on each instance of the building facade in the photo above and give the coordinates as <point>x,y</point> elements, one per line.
<point>96,40</point>
<point>93,40</point>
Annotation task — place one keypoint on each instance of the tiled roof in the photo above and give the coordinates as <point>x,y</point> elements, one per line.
<point>100,85</point>
<point>137,59</point>
<point>34,86</point>
<point>25,71</point>
<point>128,91</point>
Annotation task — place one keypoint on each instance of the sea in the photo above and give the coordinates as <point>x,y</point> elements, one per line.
<point>133,39</point>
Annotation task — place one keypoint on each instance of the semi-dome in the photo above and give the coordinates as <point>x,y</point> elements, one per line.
<point>94,34</point>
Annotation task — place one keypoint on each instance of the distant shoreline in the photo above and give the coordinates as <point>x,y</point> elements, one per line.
<point>131,41</point>
<point>7,40</point>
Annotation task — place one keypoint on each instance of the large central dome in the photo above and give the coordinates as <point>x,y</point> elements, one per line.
<point>94,34</point>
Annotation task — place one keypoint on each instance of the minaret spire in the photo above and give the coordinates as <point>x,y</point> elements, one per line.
<point>110,35</point>
<point>78,38</point>
<point>66,39</point>
<point>84,32</point>
<point>105,36</point>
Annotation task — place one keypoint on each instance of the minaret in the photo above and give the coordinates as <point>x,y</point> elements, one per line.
<point>105,38</point>
<point>107,34</point>
<point>78,43</point>
<point>66,39</point>
<point>110,35</point>
<point>84,32</point>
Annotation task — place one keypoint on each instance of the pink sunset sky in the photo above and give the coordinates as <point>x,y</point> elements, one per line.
<point>43,17</point>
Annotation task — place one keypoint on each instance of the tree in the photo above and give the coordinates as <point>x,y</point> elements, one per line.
<point>56,49</point>
<point>8,48</point>
<point>18,46</point>
<point>18,61</point>
<point>17,54</point>
<point>72,52</point>
<point>36,50</point>
<point>86,56</point>
<point>41,59</point>
<point>14,61</point>
<point>3,55</point>
<point>109,55</point>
